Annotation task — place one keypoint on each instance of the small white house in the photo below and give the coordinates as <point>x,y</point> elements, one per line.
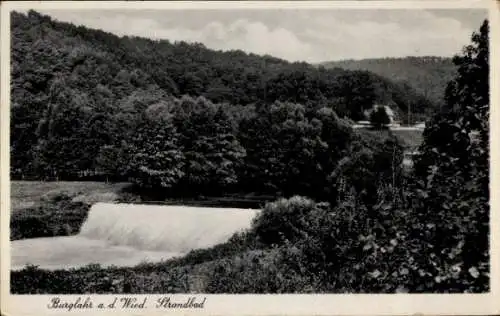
<point>364,123</point>
<point>420,125</point>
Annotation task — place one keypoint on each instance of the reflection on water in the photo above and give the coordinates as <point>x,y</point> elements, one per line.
<point>77,251</point>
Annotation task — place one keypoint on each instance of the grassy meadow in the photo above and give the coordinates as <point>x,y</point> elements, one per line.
<point>409,139</point>
<point>47,209</point>
<point>29,194</point>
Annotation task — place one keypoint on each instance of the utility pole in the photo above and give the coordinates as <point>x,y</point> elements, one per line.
<point>409,111</point>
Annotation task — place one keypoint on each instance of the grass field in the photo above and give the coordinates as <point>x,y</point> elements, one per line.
<point>409,139</point>
<point>29,194</point>
<point>47,209</point>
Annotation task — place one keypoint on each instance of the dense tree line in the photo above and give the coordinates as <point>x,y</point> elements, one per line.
<point>192,145</point>
<point>83,100</point>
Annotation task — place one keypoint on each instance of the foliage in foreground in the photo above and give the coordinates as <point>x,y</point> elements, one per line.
<point>354,249</point>
<point>451,194</point>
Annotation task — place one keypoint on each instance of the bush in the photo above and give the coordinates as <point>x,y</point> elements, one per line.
<point>98,280</point>
<point>259,272</point>
<point>283,220</point>
<point>55,196</point>
<point>238,243</point>
<point>313,247</point>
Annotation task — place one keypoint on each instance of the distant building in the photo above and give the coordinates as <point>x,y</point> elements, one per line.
<point>420,125</point>
<point>364,123</point>
<point>393,125</point>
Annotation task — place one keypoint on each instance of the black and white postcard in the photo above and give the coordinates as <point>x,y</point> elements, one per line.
<point>249,158</point>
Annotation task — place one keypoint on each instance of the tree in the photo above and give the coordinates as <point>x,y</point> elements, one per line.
<point>379,117</point>
<point>357,92</point>
<point>461,126</point>
<point>453,176</point>
<point>338,135</point>
<point>370,165</point>
<point>157,160</point>
<point>114,160</point>
<point>283,146</point>
<point>67,135</point>
<point>207,136</point>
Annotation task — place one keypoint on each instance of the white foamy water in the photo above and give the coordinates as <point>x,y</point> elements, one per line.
<point>129,234</point>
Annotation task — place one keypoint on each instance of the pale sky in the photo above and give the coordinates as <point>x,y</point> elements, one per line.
<point>297,35</point>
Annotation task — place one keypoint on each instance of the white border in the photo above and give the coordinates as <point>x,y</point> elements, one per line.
<point>392,304</point>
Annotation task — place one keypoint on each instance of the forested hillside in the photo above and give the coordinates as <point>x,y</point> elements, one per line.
<point>427,75</point>
<point>78,93</point>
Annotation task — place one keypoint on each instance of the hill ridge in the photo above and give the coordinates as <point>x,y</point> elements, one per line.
<point>103,82</point>
<point>428,75</point>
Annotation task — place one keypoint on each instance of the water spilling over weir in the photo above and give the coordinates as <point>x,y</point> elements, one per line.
<point>128,234</point>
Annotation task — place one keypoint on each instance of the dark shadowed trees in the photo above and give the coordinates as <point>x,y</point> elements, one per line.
<point>379,117</point>
<point>156,161</point>
<point>120,77</point>
<point>212,151</point>
<point>453,174</point>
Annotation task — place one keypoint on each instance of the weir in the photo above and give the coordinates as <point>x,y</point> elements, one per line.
<point>164,228</point>
<point>128,234</point>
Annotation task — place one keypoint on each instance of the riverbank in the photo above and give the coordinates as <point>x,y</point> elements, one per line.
<point>49,209</point>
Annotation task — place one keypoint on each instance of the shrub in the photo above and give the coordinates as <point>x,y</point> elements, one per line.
<point>259,272</point>
<point>99,280</point>
<point>283,220</point>
<point>58,195</point>
<point>238,243</point>
<point>313,247</point>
